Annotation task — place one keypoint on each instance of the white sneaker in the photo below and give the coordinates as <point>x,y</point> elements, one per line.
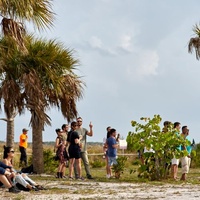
<point>107,175</point>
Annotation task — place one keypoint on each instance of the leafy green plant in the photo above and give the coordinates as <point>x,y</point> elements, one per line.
<point>49,163</point>
<point>118,168</point>
<point>149,135</point>
<point>97,164</point>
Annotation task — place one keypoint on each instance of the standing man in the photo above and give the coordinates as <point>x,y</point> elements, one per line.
<point>23,143</point>
<point>185,160</point>
<point>83,133</point>
<point>175,161</point>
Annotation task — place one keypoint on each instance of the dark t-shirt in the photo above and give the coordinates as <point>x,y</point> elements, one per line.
<point>72,135</point>
<point>74,149</point>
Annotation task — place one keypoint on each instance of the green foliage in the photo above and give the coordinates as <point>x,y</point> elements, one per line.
<point>120,166</point>
<point>166,145</point>
<point>195,156</point>
<point>97,164</point>
<point>49,163</point>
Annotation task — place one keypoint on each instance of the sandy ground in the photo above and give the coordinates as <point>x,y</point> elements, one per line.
<point>107,190</point>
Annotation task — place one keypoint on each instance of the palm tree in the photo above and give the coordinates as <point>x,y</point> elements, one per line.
<point>42,78</point>
<point>9,87</point>
<point>194,43</point>
<point>14,15</point>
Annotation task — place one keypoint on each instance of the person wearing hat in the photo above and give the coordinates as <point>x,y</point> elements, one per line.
<point>23,146</point>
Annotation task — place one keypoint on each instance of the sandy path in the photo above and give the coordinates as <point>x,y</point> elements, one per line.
<point>100,190</point>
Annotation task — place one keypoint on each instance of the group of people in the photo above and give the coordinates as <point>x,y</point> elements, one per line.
<point>71,146</point>
<point>184,160</point>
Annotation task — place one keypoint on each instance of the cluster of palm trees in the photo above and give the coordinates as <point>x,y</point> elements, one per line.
<point>35,74</point>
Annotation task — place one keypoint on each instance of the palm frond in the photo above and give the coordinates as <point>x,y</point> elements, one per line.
<point>37,11</point>
<point>194,44</point>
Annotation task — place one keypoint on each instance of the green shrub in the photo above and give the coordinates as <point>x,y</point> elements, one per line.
<point>118,169</point>
<point>97,164</point>
<point>149,135</point>
<point>49,163</point>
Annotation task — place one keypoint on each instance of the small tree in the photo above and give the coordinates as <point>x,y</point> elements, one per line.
<point>118,168</point>
<point>165,145</point>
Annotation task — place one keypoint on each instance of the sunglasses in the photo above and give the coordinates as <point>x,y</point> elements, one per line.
<point>12,151</point>
<point>79,121</point>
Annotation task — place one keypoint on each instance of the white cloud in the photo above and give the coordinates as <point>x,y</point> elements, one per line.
<point>95,42</point>
<point>148,63</point>
<point>126,43</point>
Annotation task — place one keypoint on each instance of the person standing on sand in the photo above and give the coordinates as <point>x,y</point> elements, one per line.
<point>83,133</point>
<point>73,140</point>
<point>112,150</point>
<point>105,150</point>
<point>23,143</point>
<point>185,160</point>
<point>65,129</point>
<point>60,146</point>
<point>175,161</point>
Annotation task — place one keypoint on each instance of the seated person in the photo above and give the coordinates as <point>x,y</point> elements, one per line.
<point>4,173</point>
<point>19,178</point>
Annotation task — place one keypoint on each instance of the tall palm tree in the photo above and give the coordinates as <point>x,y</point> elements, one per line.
<point>194,43</point>
<point>43,78</point>
<point>9,87</point>
<point>14,15</point>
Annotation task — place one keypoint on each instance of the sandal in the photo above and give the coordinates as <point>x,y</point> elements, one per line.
<point>39,187</point>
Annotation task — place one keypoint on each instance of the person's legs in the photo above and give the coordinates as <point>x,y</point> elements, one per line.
<point>23,157</point>
<point>5,181</point>
<point>184,167</point>
<point>84,157</point>
<point>26,178</point>
<point>19,179</point>
<point>174,168</point>
<point>110,163</point>
<point>78,167</point>
<point>71,165</point>
<point>107,167</point>
<point>7,184</point>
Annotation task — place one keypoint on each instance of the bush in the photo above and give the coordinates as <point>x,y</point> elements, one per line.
<point>49,163</point>
<point>96,163</point>
<point>119,167</point>
<point>165,145</point>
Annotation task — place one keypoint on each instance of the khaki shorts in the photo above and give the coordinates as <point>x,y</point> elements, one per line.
<point>185,164</point>
<point>175,161</point>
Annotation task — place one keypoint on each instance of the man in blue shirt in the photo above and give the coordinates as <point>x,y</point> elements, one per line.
<point>112,150</point>
<point>186,160</point>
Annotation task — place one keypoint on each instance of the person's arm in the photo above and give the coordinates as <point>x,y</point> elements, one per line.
<point>90,132</point>
<point>5,161</point>
<point>115,146</point>
<point>57,143</point>
<point>4,165</point>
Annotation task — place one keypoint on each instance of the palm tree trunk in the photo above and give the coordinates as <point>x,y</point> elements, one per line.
<point>10,133</point>
<point>38,161</point>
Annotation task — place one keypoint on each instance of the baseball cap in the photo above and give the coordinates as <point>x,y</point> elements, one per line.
<point>24,130</point>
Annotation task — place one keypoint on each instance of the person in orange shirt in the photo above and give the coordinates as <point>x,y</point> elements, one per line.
<point>23,143</point>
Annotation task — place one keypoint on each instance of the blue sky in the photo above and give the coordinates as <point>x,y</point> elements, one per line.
<point>134,59</point>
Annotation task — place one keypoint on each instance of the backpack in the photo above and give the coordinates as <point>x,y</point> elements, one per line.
<point>28,170</point>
